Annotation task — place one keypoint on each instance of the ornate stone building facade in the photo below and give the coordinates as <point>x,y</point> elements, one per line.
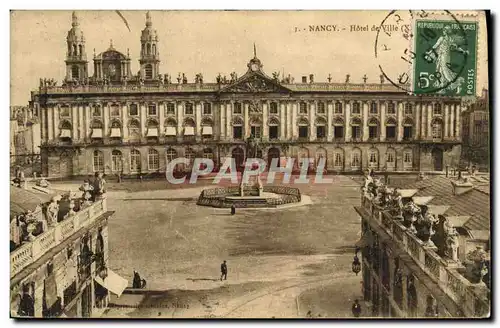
<point>475,131</point>
<point>115,121</point>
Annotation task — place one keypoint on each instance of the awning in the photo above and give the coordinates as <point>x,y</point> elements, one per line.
<point>189,131</point>
<point>96,133</point>
<point>152,132</point>
<point>437,209</point>
<point>116,132</point>
<point>113,282</point>
<point>65,133</point>
<point>422,200</point>
<point>407,193</point>
<point>170,131</point>
<point>206,130</point>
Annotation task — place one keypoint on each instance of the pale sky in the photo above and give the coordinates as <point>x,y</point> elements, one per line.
<point>212,42</point>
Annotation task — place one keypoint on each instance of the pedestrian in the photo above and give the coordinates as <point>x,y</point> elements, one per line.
<point>223,270</point>
<point>136,283</point>
<point>356,309</point>
<point>233,210</point>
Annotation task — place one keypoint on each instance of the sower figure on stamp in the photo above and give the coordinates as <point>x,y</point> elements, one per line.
<point>223,270</point>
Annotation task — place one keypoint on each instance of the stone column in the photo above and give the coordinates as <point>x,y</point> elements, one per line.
<point>179,110</point>
<point>197,113</point>
<point>265,129</point>
<point>55,114</point>
<point>312,119</point>
<point>452,121</point>
<point>43,123</point>
<point>81,127</point>
<point>417,121</point>
<point>105,119</point>
<point>50,122</point>
<point>86,120</point>
<point>446,120</point>
<point>74,121</point>
<point>429,120</point>
<point>283,131</point>
<point>222,120</point>
<point>365,120</point>
<point>125,121</point>
<point>329,128</point>
<point>289,119</point>
<point>458,127</point>
<point>246,123</point>
<point>294,120</point>
<point>161,117</point>
<point>142,116</point>
<point>400,113</point>
<point>347,126</point>
<point>383,106</point>
<point>423,120</point>
<point>229,118</point>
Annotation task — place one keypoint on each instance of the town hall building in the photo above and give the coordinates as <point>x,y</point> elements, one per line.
<point>117,122</point>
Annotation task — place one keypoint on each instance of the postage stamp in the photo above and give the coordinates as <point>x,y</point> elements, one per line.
<point>445,57</point>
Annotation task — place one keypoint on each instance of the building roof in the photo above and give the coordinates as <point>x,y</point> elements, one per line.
<point>474,203</point>
<point>22,200</point>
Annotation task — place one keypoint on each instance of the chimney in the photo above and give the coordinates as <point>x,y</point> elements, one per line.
<point>311,78</point>
<point>304,79</point>
<point>461,186</point>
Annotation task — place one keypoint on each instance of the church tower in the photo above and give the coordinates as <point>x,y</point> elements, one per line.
<point>150,57</point>
<point>76,57</point>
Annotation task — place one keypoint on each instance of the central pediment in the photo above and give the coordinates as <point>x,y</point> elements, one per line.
<point>254,82</point>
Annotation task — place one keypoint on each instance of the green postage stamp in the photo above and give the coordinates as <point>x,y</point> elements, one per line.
<point>445,57</point>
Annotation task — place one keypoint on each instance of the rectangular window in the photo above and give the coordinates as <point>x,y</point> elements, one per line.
<point>356,108</point>
<point>170,109</point>
<point>152,110</point>
<point>390,157</point>
<point>338,108</point>
<point>355,160</point>
<point>207,109</point>
<point>133,110</point>
<point>372,132</point>
<point>303,132</point>
<point>255,131</point>
<point>273,108</point>
<point>390,132</point>
<point>407,132</point>
<point>96,112</point>
<point>153,161</point>
<point>338,132</point>
<point>237,132</point>
<point>391,108</point>
<point>64,111</point>
<point>337,160</point>
<point>115,111</point>
<point>237,108</point>
<point>189,109</point>
<point>356,132</point>
<point>373,158</point>
<point>321,108</point>
<point>407,157</point>
<point>408,109</point>
<point>320,132</point>
<point>303,108</point>
<point>373,108</point>
<point>273,132</point>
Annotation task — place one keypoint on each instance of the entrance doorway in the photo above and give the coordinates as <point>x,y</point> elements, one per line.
<point>437,159</point>
<point>271,154</point>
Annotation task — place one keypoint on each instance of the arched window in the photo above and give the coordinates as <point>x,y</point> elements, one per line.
<point>273,128</point>
<point>65,130</point>
<point>75,51</point>
<point>171,155</point>
<point>153,160</point>
<point>148,71</point>
<point>148,49</point>
<point>302,157</point>
<point>321,157</point>
<point>407,158</point>
<point>437,129</point>
<point>116,161</point>
<point>152,125</point>
<point>98,162</point>
<point>373,158</point>
<point>256,128</point>
<point>190,155</point>
<point>373,128</point>
<point>338,128</point>
<point>390,159</point>
<point>135,161</point>
<point>142,49</point>
<point>408,129</point>
<point>390,129</point>
<point>303,128</point>
<point>320,128</point>
<point>75,72</point>
<point>356,159</point>
<point>97,126</point>
<point>338,159</point>
<point>356,128</point>
<point>170,128</point>
<point>116,129</point>
<point>154,49</point>
<point>237,128</point>
<point>134,129</point>
<point>80,50</point>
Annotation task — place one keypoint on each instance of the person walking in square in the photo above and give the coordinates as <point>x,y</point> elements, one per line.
<point>233,210</point>
<point>223,270</point>
<point>356,309</point>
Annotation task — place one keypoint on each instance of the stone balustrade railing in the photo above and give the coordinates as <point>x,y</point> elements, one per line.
<point>32,251</point>
<point>442,271</point>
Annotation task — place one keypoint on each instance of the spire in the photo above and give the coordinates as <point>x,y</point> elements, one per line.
<point>74,19</point>
<point>148,19</point>
<point>254,51</point>
<point>110,43</point>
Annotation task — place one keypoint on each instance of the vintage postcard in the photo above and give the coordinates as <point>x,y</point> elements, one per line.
<point>249,164</point>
